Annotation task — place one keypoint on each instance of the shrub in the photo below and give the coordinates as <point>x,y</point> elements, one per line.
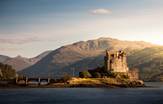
<point>96,75</point>
<point>125,76</point>
<point>66,77</point>
<point>85,74</point>
<point>112,75</point>
<point>7,72</point>
<point>122,76</point>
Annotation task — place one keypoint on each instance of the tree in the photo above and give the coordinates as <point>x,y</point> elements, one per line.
<point>96,75</point>
<point>66,77</point>
<point>1,75</point>
<point>7,72</point>
<point>85,74</point>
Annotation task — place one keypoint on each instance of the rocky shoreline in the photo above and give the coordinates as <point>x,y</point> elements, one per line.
<point>84,83</point>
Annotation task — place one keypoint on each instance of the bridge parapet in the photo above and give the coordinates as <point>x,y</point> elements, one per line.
<point>26,80</point>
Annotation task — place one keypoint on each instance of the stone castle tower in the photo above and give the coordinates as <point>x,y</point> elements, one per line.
<point>115,61</point>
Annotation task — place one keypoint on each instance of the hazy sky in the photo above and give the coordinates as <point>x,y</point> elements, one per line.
<point>29,27</point>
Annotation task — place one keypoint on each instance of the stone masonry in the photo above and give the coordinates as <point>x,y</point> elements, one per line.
<point>115,61</point>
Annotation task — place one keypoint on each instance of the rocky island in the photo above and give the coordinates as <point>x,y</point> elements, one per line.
<point>114,73</point>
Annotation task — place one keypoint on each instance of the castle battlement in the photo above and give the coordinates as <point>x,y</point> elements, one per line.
<point>116,61</point>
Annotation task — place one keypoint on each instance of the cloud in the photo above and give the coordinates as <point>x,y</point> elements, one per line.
<point>101,11</point>
<point>18,40</point>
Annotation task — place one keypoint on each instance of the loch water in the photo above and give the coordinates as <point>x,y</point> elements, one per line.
<point>148,95</point>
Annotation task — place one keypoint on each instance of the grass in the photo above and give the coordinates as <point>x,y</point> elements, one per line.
<point>106,82</point>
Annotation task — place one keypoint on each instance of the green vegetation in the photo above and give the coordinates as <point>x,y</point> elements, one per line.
<point>85,74</point>
<point>104,82</point>
<point>6,72</point>
<point>96,75</point>
<point>65,78</point>
<point>100,73</point>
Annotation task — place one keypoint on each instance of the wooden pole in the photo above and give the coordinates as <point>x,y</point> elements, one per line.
<point>39,81</point>
<point>48,80</point>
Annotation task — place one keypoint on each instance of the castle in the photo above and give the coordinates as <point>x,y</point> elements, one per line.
<point>116,62</point>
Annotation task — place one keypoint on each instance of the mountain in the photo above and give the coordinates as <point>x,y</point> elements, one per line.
<point>80,56</point>
<point>3,58</point>
<point>149,61</point>
<point>19,62</point>
<point>39,57</point>
<point>157,78</point>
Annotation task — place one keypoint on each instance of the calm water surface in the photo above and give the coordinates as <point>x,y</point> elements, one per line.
<point>152,95</point>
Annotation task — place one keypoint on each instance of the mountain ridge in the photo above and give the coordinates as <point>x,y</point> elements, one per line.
<point>63,59</point>
<point>19,62</point>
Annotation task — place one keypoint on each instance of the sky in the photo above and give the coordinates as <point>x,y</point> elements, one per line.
<point>30,27</point>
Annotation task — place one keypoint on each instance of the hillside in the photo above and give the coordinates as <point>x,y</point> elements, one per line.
<point>148,60</point>
<point>80,56</point>
<point>19,62</point>
<point>3,58</point>
<point>39,57</point>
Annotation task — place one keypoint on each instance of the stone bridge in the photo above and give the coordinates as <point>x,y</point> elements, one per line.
<point>28,80</point>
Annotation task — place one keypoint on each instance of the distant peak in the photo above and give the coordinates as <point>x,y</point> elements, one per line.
<point>19,57</point>
<point>106,38</point>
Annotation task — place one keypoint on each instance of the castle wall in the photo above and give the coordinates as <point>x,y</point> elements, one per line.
<point>118,65</point>
<point>116,61</point>
<point>133,74</point>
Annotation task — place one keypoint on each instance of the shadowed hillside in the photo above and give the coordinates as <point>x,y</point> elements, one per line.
<point>19,62</point>
<point>3,58</point>
<point>148,60</point>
